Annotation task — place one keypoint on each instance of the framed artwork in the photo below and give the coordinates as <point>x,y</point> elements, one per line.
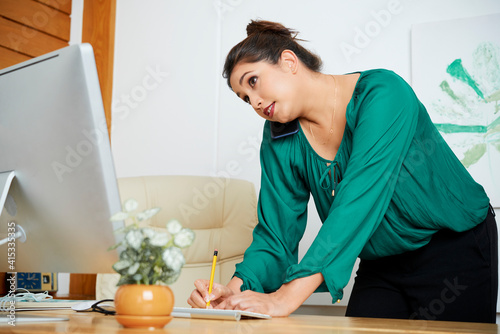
<point>456,75</point>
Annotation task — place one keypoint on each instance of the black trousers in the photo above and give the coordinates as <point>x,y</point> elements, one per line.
<point>453,278</point>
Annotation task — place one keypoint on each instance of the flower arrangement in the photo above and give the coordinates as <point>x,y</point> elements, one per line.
<point>148,256</point>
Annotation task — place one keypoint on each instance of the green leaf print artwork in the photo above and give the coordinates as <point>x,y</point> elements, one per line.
<point>470,101</point>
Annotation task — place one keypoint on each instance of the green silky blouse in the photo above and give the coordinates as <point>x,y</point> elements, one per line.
<point>395,183</point>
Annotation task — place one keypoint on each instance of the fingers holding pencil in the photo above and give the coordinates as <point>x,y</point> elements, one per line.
<point>200,295</point>
<point>209,294</point>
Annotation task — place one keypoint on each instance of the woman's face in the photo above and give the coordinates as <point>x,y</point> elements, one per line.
<point>268,88</point>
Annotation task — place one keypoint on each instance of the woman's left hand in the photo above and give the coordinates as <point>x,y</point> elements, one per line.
<point>280,303</point>
<point>251,301</point>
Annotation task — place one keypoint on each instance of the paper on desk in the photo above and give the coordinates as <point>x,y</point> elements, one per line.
<point>51,304</point>
<point>201,313</point>
<point>22,318</point>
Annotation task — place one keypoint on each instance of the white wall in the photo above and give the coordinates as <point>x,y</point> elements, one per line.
<point>173,113</point>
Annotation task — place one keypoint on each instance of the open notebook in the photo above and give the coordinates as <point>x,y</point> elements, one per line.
<point>22,318</point>
<point>201,313</point>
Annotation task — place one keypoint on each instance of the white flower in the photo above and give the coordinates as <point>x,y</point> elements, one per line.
<point>133,269</point>
<point>159,239</point>
<point>130,205</point>
<point>134,239</point>
<point>174,258</point>
<point>174,227</point>
<point>146,214</point>
<point>184,238</point>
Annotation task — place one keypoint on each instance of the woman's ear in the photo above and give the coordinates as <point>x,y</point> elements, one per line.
<point>289,61</point>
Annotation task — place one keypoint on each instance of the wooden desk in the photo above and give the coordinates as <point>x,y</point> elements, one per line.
<point>303,324</point>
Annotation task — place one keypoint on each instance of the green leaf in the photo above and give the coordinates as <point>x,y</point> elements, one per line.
<point>147,214</point>
<point>119,216</point>
<point>113,247</point>
<point>473,155</point>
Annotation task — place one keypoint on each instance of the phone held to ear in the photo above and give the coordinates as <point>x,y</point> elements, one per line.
<point>279,130</point>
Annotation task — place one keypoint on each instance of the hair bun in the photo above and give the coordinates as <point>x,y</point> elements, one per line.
<point>266,41</point>
<point>256,27</point>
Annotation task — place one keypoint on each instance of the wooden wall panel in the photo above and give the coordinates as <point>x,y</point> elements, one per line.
<point>9,57</point>
<point>30,28</point>
<point>37,16</point>
<point>27,41</point>
<point>62,5</point>
<point>99,30</point>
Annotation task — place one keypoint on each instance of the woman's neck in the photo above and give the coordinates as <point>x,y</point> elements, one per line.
<point>319,99</point>
<point>324,114</point>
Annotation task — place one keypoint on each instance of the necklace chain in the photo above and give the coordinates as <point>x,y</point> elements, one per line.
<point>333,117</point>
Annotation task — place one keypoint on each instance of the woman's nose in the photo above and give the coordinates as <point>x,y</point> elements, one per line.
<point>256,102</point>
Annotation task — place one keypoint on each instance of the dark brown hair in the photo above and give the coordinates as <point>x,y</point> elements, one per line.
<point>266,41</point>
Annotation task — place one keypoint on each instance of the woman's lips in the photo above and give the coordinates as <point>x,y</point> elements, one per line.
<point>269,110</point>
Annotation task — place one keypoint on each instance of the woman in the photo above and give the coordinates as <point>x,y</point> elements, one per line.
<point>387,188</point>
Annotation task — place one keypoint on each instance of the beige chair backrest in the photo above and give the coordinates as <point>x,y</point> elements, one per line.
<point>222,212</point>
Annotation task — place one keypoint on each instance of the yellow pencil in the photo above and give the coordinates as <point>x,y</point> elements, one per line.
<point>212,275</point>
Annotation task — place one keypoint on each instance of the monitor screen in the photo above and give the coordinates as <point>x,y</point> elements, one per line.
<point>53,136</point>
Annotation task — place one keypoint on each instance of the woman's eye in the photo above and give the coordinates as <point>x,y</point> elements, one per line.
<point>252,81</point>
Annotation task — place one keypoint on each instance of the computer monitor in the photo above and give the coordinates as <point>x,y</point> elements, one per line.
<point>54,139</point>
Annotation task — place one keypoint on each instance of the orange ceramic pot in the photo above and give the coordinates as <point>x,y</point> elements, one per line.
<point>144,306</point>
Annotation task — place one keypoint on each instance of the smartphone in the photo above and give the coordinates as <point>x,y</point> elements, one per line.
<point>279,130</point>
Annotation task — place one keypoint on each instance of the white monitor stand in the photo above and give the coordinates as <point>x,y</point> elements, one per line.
<point>6,201</point>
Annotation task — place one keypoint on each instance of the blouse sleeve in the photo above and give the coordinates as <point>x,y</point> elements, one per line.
<point>382,130</point>
<point>282,216</point>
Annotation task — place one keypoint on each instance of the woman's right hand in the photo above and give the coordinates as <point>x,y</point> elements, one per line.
<point>199,297</point>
